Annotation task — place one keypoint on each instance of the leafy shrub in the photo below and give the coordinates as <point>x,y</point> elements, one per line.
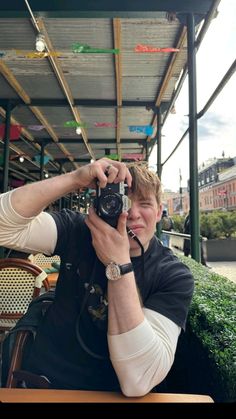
<point>210,225</point>
<point>178,222</point>
<point>213,225</point>
<point>211,332</point>
<point>228,222</point>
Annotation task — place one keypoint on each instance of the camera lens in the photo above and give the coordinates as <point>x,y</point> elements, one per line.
<point>111,205</point>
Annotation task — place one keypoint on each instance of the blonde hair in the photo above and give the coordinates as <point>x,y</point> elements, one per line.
<point>144,181</point>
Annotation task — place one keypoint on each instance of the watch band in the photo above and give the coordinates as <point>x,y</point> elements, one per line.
<point>126,268</point>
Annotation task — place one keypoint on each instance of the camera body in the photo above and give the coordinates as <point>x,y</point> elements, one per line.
<point>111,201</point>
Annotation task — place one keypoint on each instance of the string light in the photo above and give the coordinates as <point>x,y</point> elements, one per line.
<point>21,159</point>
<point>78,130</point>
<point>40,43</point>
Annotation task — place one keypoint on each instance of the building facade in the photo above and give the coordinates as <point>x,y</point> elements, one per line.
<point>217,188</point>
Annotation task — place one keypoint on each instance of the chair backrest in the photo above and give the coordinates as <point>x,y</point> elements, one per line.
<point>20,283</point>
<point>44,261</point>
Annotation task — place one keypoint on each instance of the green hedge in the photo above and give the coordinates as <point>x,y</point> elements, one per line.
<point>206,354</point>
<point>213,225</point>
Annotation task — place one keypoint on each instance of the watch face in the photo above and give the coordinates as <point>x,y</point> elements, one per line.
<point>112,271</point>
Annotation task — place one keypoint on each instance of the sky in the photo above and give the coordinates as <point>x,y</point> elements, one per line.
<point>217,128</point>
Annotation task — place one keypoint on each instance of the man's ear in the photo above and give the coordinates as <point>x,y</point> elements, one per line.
<point>159,212</point>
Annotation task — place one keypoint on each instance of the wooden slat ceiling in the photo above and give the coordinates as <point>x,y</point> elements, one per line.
<point>118,90</point>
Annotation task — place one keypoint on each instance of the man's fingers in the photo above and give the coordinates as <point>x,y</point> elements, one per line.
<point>111,173</point>
<point>116,172</point>
<point>88,176</point>
<point>94,221</point>
<point>121,226</point>
<point>121,174</point>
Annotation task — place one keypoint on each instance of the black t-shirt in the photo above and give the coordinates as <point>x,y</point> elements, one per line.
<point>71,346</point>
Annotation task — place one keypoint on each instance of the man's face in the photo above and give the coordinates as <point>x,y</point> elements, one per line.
<point>143,216</point>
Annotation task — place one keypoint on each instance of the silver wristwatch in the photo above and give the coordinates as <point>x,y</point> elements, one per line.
<point>115,271</point>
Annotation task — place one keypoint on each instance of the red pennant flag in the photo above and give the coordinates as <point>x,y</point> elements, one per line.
<point>104,125</point>
<point>15,131</point>
<point>148,48</point>
<point>15,183</point>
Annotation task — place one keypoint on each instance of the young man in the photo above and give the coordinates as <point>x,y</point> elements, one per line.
<point>118,312</point>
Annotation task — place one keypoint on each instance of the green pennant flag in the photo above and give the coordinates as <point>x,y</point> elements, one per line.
<point>112,156</point>
<point>86,49</point>
<point>74,124</point>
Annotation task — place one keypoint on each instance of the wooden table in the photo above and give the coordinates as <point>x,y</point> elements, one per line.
<point>52,279</point>
<point>17,395</point>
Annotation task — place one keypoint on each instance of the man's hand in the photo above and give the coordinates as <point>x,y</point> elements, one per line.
<point>116,172</point>
<point>109,243</point>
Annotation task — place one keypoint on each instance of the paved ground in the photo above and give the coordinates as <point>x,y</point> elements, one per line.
<point>227,269</point>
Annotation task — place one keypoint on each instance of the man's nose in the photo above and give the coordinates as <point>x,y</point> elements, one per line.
<point>134,211</point>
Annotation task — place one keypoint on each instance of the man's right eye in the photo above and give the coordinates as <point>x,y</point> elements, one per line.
<point>145,203</point>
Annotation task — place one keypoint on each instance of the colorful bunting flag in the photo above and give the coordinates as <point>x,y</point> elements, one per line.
<point>86,49</point>
<point>46,159</point>
<point>104,125</point>
<point>36,54</point>
<point>74,124</point>
<point>112,156</point>
<point>16,183</point>
<point>35,127</point>
<point>15,131</point>
<point>148,48</point>
<point>146,129</point>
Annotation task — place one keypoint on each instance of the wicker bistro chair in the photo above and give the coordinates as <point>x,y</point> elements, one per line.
<point>18,343</point>
<point>50,264</point>
<point>45,262</point>
<point>20,282</point>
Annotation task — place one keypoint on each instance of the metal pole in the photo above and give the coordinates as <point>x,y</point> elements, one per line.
<point>6,152</point>
<point>42,161</point>
<point>159,166</point>
<point>193,149</point>
<point>159,121</point>
<point>180,192</point>
<point>146,151</point>
<point>61,199</point>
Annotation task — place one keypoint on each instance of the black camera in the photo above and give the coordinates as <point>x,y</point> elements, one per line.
<point>111,201</point>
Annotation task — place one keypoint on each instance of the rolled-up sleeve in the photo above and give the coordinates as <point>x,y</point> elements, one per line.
<point>31,235</point>
<point>142,357</point>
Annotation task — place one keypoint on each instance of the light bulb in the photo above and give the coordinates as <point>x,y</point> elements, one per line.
<point>46,175</point>
<point>21,159</point>
<point>40,43</point>
<point>78,130</point>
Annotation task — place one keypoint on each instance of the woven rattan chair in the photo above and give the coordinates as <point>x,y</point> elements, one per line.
<point>20,282</point>
<point>17,346</point>
<point>44,261</point>
<point>50,264</point>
